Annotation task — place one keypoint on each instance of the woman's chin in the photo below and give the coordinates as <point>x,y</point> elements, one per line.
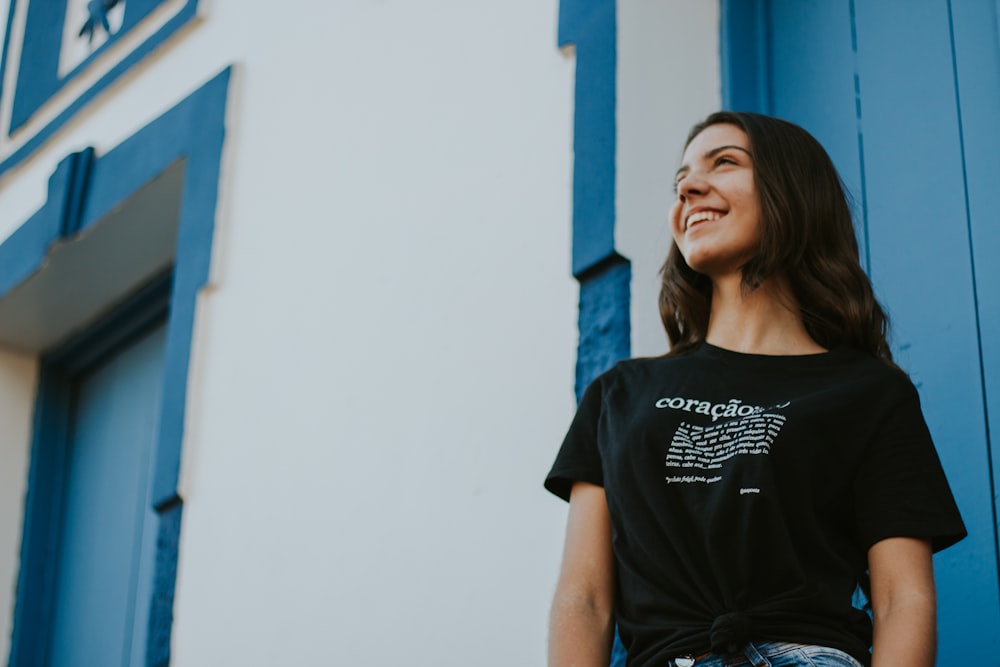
<point>713,266</point>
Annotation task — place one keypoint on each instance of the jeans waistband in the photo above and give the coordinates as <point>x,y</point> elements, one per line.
<point>765,654</point>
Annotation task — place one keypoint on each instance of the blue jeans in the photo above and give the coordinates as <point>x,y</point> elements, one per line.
<point>774,654</point>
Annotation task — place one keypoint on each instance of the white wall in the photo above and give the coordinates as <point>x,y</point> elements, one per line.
<point>383,367</point>
<point>17,393</point>
<point>668,79</point>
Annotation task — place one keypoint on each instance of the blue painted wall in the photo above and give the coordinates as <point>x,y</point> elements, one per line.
<point>905,96</point>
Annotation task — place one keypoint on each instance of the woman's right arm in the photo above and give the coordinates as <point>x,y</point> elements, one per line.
<point>581,625</point>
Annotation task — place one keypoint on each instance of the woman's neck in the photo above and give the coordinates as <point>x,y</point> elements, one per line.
<point>763,321</point>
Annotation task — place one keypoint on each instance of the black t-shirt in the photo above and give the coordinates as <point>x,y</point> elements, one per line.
<point>745,491</point>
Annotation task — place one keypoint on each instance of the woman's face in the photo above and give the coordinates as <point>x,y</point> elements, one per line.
<point>716,218</point>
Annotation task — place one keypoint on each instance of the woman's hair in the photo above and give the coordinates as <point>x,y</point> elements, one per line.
<point>806,236</point>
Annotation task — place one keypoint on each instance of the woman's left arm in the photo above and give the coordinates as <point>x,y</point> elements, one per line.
<point>903,603</point>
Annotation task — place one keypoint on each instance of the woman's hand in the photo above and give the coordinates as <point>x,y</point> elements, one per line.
<point>903,603</point>
<point>581,623</point>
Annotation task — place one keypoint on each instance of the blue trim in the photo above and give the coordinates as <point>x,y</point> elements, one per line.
<point>590,25</point>
<point>79,182</point>
<point>604,275</point>
<point>161,613</point>
<point>745,57</point>
<point>861,142</point>
<point>50,459</point>
<point>978,313</point>
<point>978,68</point>
<point>605,332</point>
<point>38,77</point>
<point>41,539</point>
<point>6,41</point>
<point>37,82</point>
<point>38,70</point>
<point>83,190</point>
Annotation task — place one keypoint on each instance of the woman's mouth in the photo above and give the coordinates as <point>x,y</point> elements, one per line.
<point>702,216</point>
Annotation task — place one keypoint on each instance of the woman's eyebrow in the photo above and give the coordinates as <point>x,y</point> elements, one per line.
<point>709,155</point>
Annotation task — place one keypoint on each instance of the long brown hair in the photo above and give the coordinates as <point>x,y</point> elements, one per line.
<point>806,236</point>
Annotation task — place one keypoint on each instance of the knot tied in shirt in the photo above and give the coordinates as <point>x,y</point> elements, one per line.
<point>730,633</point>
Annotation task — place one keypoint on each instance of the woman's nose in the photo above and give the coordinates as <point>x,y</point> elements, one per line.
<point>692,184</point>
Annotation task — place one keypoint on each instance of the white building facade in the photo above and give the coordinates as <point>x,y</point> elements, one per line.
<point>294,299</point>
<point>327,249</point>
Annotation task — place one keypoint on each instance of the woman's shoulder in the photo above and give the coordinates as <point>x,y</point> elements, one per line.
<point>880,371</point>
<point>637,373</point>
<point>879,385</point>
<point>629,370</point>
<point>639,367</point>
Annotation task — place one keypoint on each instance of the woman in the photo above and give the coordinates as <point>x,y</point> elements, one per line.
<point>727,499</point>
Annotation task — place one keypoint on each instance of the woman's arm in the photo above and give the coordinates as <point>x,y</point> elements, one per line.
<point>903,603</point>
<point>580,625</point>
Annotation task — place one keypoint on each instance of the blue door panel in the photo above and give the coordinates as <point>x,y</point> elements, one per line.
<point>916,139</point>
<point>812,58</point>
<point>105,568</point>
<point>977,58</point>
<point>921,267</point>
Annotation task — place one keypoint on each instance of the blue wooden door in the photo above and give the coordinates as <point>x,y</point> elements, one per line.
<point>906,95</point>
<point>105,565</point>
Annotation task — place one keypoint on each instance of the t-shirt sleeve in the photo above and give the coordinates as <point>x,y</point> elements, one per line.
<point>901,489</point>
<point>579,458</point>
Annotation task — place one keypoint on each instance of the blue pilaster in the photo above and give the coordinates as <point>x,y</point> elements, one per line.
<point>604,275</point>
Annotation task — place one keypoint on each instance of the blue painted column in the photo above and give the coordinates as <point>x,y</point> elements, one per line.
<point>744,49</point>
<point>604,275</point>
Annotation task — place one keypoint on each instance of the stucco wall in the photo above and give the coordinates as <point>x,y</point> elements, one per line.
<point>383,367</point>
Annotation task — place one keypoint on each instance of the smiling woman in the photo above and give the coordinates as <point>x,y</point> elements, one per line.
<point>729,499</point>
<point>791,219</point>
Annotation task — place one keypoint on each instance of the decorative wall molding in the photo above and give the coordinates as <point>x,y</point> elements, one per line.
<point>115,35</point>
<point>84,192</point>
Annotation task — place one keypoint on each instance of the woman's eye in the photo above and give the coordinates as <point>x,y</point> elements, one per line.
<point>724,160</point>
